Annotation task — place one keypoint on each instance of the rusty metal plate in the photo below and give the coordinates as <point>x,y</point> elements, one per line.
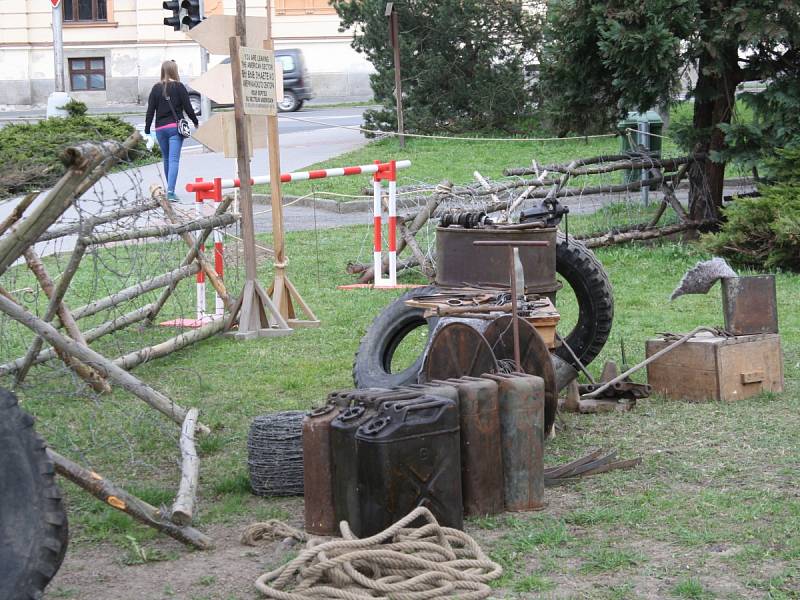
<point>750,304</point>
<point>534,356</point>
<point>457,350</point>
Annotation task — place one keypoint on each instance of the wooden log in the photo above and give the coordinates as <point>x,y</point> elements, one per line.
<point>157,192</point>
<point>99,362</point>
<point>610,239</point>
<point>557,167</point>
<point>161,230</point>
<point>83,371</point>
<point>183,506</point>
<point>118,498</point>
<point>81,161</point>
<point>139,314</point>
<point>101,219</point>
<point>134,359</point>
<point>428,270</point>
<point>56,297</point>
<point>639,163</point>
<point>18,211</point>
<point>135,291</point>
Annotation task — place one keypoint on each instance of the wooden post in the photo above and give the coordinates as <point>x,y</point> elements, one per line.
<point>394,37</point>
<point>190,467</point>
<point>252,306</point>
<point>282,291</point>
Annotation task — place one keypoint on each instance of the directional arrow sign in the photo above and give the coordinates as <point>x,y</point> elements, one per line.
<point>217,84</point>
<point>219,133</point>
<point>213,33</point>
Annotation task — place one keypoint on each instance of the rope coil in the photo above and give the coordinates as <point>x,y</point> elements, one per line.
<point>400,563</point>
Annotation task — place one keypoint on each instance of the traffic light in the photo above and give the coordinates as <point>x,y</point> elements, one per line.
<point>175,20</point>
<point>192,15</point>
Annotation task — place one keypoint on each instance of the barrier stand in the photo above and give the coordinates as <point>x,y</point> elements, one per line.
<point>380,171</point>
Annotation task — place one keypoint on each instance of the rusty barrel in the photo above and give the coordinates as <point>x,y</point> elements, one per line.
<point>481,447</point>
<point>459,263</point>
<point>318,465</point>
<point>521,400</point>
<point>409,456</point>
<point>344,450</point>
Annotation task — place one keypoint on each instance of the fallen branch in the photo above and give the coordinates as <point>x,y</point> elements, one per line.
<point>18,211</point>
<point>609,239</point>
<point>190,468</point>
<point>161,230</point>
<point>118,498</point>
<point>101,219</point>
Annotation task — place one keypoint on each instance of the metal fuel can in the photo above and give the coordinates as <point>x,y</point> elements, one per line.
<point>521,403</point>
<point>409,456</point>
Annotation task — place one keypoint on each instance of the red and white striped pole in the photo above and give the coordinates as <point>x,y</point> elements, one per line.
<point>201,276</point>
<point>219,250</point>
<point>377,210</point>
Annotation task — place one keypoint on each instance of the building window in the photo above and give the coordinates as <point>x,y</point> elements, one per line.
<point>85,10</point>
<point>304,7</point>
<point>87,74</point>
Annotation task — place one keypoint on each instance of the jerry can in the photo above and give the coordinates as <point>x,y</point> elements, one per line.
<point>435,388</point>
<point>481,446</point>
<point>409,456</point>
<point>318,464</point>
<point>521,402</point>
<point>343,450</point>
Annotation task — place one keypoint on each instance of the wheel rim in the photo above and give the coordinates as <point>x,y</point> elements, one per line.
<point>287,103</point>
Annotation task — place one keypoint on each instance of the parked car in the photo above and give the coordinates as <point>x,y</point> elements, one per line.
<point>296,82</point>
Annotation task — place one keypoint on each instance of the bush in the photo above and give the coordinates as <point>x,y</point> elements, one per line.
<point>75,108</point>
<point>29,152</point>
<point>764,232</point>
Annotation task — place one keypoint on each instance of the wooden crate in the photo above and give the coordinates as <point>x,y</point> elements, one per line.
<point>708,367</point>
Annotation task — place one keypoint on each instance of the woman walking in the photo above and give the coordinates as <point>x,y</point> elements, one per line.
<point>168,101</point>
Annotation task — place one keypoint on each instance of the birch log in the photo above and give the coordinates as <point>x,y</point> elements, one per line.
<point>190,468</point>
<point>99,362</point>
<point>118,498</point>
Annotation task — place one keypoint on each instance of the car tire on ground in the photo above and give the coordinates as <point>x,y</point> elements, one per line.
<point>290,102</point>
<point>33,523</point>
<point>589,281</point>
<point>372,366</point>
<point>574,262</point>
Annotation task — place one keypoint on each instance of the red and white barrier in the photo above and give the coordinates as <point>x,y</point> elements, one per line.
<point>380,171</point>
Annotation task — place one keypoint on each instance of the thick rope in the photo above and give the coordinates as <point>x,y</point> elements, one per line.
<point>400,563</point>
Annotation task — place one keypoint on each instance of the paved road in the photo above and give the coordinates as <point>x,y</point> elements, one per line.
<point>302,144</point>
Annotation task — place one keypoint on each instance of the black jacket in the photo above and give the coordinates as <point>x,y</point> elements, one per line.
<point>157,104</point>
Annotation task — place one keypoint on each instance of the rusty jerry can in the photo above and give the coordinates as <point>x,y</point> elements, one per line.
<point>318,464</point>
<point>481,447</point>
<point>521,399</point>
<point>409,456</point>
<point>344,452</point>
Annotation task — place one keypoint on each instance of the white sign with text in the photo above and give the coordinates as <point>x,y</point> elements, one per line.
<point>258,81</point>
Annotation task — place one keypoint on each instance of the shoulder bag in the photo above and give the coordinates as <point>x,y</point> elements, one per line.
<point>183,124</point>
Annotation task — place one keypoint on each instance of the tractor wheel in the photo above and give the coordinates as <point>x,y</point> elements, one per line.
<point>33,523</point>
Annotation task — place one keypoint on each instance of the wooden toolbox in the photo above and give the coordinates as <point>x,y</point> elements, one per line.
<point>708,367</point>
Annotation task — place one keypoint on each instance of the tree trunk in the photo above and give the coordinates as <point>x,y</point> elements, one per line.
<point>715,97</point>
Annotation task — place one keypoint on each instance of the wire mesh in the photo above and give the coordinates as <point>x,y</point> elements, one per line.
<point>275,454</point>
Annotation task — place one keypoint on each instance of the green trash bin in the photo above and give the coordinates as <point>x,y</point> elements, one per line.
<point>653,125</point>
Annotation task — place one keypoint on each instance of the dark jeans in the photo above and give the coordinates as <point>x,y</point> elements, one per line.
<point>170,142</point>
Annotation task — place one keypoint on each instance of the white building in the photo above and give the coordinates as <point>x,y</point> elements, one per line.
<point>113,49</point>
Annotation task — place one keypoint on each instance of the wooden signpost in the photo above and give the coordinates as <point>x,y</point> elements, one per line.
<point>255,83</point>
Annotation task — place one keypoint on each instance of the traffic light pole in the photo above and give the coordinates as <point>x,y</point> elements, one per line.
<point>58,48</point>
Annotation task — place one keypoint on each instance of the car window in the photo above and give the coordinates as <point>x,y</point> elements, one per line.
<point>287,62</point>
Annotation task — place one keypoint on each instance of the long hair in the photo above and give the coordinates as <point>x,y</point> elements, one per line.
<point>169,72</point>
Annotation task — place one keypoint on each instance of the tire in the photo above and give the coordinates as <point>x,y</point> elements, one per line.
<point>33,523</point>
<point>290,102</point>
<point>197,106</point>
<point>372,366</point>
<point>589,281</point>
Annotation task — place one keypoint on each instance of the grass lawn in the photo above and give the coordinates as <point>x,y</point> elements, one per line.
<point>712,512</point>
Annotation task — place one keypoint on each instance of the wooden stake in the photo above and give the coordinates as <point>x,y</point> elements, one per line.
<point>282,291</point>
<point>99,362</point>
<point>255,313</point>
<point>118,498</point>
<point>190,471</point>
